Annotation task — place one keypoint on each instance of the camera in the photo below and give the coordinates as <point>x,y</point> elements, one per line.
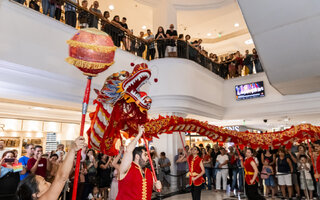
<point>265,120</point>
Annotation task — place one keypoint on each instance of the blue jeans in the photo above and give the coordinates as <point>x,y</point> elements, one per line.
<point>45,6</point>
<point>208,175</point>
<point>234,178</point>
<point>52,9</point>
<point>250,67</point>
<point>241,179</point>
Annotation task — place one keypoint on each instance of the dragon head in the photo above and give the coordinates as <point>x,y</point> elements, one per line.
<point>130,87</point>
<point>123,85</point>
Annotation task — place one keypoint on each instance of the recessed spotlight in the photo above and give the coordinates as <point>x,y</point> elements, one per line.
<point>209,34</point>
<point>236,25</point>
<point>144,27</point>
<point>111,7</point>
<point>250,41</point>
<point>303,122</point>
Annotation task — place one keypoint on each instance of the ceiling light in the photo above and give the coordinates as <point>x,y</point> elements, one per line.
<point>39,108</point>
<point>250,41</point>
<point>144,27</point>
<point>303,122</point>
<point>111,7</point>
<point>236,25</point>
<point>209,34</point>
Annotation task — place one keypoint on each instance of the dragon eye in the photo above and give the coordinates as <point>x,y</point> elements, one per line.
<point>122,77</point>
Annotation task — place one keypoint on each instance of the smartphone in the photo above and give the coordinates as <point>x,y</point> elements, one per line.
<point>8,160</point>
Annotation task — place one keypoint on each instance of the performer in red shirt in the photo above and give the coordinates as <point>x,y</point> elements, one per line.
<point>317,173</point>
<point>196,171</point>
<point>136,181</point>
<point>251,176</point>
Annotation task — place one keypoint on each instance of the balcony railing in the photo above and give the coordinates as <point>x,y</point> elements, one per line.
<point>147,49</point>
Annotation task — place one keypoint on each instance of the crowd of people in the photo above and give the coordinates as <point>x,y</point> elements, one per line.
<point>279,173</point>
<point>165,43</point>
<point>275,173</point>
<point>97,171</point>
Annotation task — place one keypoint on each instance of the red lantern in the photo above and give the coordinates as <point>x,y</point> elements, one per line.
<point>91,50</point>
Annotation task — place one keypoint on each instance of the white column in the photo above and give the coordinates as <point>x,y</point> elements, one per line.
<point>164,14</point>
<point>169,143</point>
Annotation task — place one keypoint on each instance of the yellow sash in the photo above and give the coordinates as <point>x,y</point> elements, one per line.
<point>248,173</point>
<point>194,174</point>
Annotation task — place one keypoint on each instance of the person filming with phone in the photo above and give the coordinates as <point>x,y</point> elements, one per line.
<point>8,160</point>
<point>9,175</point>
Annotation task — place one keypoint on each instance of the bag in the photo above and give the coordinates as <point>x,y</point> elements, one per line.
<point>264,173</point>
<point>166,172</point>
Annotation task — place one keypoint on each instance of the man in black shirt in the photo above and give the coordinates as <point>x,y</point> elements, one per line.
<point>172,35</point>
<point>123,23</point>
<point>247,61</point>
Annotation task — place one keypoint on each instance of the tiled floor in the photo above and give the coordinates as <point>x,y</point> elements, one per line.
<point>206,195</point>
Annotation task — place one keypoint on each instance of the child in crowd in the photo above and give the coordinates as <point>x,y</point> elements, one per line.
<point>95,195</point>
<point>305,177</point>
<point>267,175</point>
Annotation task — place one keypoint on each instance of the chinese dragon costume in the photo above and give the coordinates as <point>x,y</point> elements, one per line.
<point>121,106</point>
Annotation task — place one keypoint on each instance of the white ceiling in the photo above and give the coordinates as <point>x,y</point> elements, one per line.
<point>200,22</point>
<point>287,39</point>
<point>230,45</point>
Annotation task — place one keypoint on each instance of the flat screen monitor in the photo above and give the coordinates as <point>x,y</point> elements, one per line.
<point>250,90</point>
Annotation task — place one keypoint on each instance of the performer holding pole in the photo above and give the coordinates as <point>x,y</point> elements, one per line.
<point>136,181</point>
<point>197,171</point>
<point>150,161</point>
<point>251,176</point>
<point>91,51</point>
